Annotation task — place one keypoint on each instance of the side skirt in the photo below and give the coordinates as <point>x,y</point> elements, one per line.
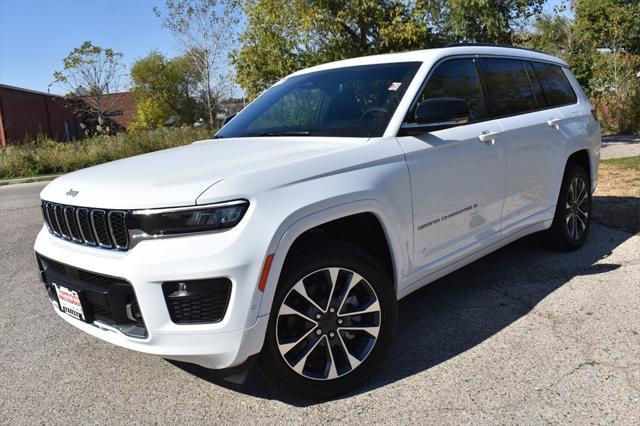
<point>434,275</point>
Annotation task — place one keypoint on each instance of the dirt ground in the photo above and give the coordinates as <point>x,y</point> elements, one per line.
<point>616,201</point>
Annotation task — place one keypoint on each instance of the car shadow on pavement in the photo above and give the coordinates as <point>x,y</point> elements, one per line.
<point>623,212</point>
<point>461,310</point>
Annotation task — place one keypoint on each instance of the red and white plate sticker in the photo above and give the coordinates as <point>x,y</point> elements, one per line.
<point>394,86</point>
<point>69,302</point>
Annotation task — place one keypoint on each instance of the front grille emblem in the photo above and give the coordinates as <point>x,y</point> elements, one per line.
<point>72,192</point>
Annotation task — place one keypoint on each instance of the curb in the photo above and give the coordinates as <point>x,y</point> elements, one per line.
<point>28,180</point>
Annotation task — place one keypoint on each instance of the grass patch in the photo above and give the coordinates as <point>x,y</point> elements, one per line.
<point>626,162</point>
<point>46,157</point>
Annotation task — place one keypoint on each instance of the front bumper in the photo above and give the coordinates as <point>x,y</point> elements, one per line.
<point>150,263</point>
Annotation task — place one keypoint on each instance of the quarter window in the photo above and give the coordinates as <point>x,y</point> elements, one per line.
<point>556,87</point>
<point>509,86</point>
<point>455,78</point>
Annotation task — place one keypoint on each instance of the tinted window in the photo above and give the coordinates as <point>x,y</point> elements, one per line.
<point>537,88</point>
<point>509,86</point>
<point>555,84</point>
<point>456,78</point>
<point>351,101</point>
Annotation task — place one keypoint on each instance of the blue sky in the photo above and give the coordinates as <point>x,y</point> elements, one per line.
<point>35,35</point>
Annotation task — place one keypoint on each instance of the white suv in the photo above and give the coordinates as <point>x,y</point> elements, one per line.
<point>338,191</point>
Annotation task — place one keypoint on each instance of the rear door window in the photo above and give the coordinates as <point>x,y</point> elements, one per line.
<point>509,87</point>
<point>557,88</point>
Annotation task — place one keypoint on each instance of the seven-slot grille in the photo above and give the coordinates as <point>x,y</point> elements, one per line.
<point>91,227</point>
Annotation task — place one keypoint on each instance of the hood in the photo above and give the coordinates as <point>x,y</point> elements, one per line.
<point>176,177</point>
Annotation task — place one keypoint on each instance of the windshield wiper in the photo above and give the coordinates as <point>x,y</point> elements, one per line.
<point>286,133</point>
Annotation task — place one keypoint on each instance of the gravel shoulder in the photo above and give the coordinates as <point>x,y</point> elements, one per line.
<point>523,335</point>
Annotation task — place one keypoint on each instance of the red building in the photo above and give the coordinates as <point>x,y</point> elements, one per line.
<point>25,114</point>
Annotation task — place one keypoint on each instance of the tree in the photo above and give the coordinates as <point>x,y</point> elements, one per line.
<point>280,37</point>
<point>495,21</point>
<point>90,74</point>
<point>163,89</point>
<point>609,35</point>
<point>206,31</point>
<point>552,34</point>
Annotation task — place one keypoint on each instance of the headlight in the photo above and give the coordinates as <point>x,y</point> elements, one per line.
<point>186,220</point>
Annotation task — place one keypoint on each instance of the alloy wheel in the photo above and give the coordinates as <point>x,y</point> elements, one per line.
<point>328,323</point>
<point>577,208</point>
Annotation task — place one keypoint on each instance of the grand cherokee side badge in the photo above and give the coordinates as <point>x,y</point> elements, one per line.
<point>71,192</point>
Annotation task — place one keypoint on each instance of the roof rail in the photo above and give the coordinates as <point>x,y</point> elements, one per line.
<point>463,44</point>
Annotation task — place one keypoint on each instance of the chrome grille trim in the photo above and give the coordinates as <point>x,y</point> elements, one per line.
<point>90,239</point>
<point>58,212</point>
<point>111,227</point>
<point>73,225</point>
<point>101,237</point>
<point>106,229</point>
<point>52,220</point>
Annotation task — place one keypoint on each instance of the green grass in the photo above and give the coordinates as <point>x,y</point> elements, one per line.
<point>626,162</point>
<point>46,157</point>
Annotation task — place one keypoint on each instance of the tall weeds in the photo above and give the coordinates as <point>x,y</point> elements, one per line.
<point>43,156</point>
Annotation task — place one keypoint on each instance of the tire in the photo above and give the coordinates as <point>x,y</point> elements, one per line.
<point>572,217</point>
<point>308,357</point>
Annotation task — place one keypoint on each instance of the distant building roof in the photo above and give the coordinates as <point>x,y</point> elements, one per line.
<point>22,89</point>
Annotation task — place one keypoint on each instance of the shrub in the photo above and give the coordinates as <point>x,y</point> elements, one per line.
<point>43,156</point>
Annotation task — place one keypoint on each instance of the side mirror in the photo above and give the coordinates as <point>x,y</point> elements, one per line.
<point>442,112</point>
<point>227,119</point>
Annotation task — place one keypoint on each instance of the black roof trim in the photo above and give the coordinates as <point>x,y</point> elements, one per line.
<point>508,46</point>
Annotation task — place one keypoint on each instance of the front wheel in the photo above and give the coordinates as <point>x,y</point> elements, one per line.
<point>331,322</point>
<point>572,218</point>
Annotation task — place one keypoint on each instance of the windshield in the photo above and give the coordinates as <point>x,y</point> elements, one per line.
<point>345,102</point>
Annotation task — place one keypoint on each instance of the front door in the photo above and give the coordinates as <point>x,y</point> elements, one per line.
<point>457,179</point>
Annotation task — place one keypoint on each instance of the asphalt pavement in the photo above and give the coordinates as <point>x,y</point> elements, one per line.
<point>618,146</point>
<point>523,336</point>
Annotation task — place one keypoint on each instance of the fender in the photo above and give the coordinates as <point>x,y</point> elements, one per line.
<point>287,234</point>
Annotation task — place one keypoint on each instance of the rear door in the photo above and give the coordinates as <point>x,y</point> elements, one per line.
<point>529,136</point>
<point>457,179</point>
<point>572,118</point>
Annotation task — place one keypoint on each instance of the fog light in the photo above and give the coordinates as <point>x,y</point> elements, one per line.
<point>197,302</point>
<point>133,312</point>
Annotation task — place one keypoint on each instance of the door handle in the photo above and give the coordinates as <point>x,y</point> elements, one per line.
<point>554,122</point>
<point>489,137</point>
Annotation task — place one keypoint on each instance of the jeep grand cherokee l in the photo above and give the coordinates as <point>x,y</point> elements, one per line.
<point>292,233</point>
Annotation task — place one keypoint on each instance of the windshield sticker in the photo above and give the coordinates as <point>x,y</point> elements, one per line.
<point>394,86</point>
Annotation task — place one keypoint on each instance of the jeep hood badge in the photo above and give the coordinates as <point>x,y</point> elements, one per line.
<point>71,192</point>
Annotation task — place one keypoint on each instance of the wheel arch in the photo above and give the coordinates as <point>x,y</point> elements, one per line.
<point>336,217</point>
<point>580,158</point>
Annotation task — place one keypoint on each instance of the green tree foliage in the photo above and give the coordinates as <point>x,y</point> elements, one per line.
<point>163,90</point>
<point>281,37</point>
<point>551,34</point>
<point>606,58</point>
<point>614,24</point>
<point>487,20</point>
<point>91,73</point>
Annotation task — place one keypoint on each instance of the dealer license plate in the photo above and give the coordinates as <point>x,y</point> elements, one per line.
<point>69,302</point>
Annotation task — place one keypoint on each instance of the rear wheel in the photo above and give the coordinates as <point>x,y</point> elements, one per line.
<point>573,212</point>
<point>331,322</point>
